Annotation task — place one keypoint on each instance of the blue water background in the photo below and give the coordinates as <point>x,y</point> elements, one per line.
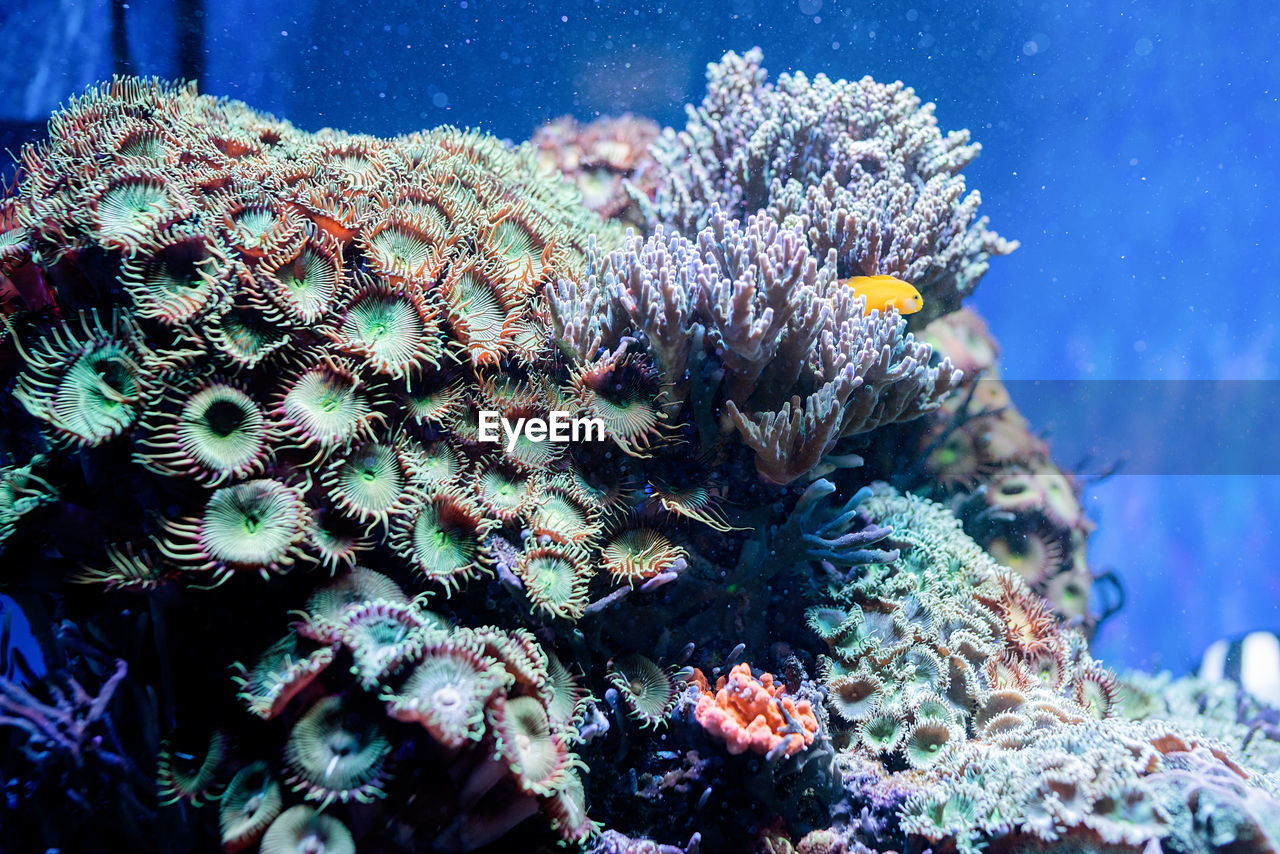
<point>1128,145</point>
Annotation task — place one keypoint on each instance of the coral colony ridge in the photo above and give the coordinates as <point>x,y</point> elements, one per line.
<point>818,588</point>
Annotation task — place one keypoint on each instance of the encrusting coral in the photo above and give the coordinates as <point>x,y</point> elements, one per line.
<point>251,373</point>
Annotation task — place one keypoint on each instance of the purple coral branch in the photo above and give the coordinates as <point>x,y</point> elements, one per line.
<point>65,724</point>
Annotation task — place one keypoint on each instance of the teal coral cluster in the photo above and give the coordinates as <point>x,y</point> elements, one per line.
<point>946,663</point>
<point>245,374</point>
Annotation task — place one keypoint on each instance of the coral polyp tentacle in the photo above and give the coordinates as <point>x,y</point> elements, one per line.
<point>88,385</point>
<point>441,534</point>
<point>255,526</point>
<point>208,429</point>
<point>391,329</point>
<point>335,754</point>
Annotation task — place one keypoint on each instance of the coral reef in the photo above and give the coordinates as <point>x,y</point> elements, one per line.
<point>251,501</point>
<point>955,677</point>
<point>608,159</point>
<point>752,713</point>
<point>979,454</point>
<point>859,167</point>
<point>745,321</point>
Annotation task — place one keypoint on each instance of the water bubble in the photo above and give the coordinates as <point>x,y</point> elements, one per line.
<point>1143,47</point>
<point>440,100</point>
<point>912,14</point>
<point>810,7</point>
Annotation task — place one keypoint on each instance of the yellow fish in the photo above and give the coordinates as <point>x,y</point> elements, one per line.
<point>886,292</point>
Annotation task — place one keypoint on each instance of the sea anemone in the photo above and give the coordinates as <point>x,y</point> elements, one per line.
<point>335,540</point>
<point>479,314</point>
<point>257,525</point>
<point>382,636</point>
<point>441,535</point>
<point>433,399</point>
<point>1028,624</point>
<point>334,753</point>
<point>258,227</point>
<point>855,696</point>
<point>242,332</point>
<point>526,454</point>
<point>504,492</point>
<point>334,213</point>
<point>1048,665</point>
<point>175,276</point>
<point>559,517</point>
<point>519,653</point>
<point>826,622</point>
<point>355,587</point>
<point>536,758</point>
<point>391,329</point>
<point>623,392</point>
<point>520,238</point>
<point>507,393</point>
<point>355,161</point>
<point>248,806</point>
<point>189,773</point>
<point>405,248</point>
<point>302,829</point>
<point>922,669</point>
<point>1096,690</point>
<point>692,502</point>
<point>447,691</point>
<point>555,579</point>
<point>132,205</point>
<point>639,554</point>
<point>1016,492</point>
<point>128,567</point>
<point>882,731</point>
<point>1034,554</point>
<point>650,691</point>
<point>1000,701</point>
<point>212,432</point>
<point>1060,502</point>
<point>282,672</point>
<point>324,406</point>
<point>433,466</point>
<point>567,697</point>
<point>366,482</point>
<point>88,387</point>
<point>929,741</point>
<point>567,810</point>
<point>303,288</point>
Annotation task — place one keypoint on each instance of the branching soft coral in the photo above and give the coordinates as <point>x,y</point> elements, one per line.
<point>860,167</point>
<point>747,321</point>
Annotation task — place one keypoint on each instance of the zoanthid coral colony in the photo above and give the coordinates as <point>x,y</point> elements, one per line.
<point>313,559</point>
